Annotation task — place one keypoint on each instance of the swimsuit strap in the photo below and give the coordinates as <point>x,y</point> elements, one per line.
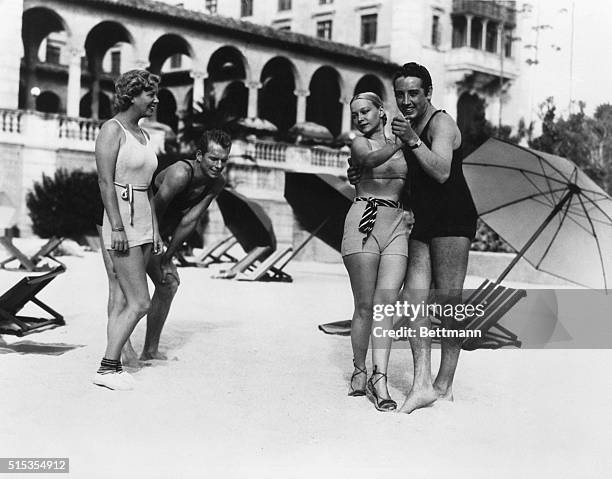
<point>190,168</point>
<point>426,127</point>
<point>127,133</point>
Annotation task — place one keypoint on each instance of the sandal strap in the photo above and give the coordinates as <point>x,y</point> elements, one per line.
<point>359,371</point>
<point>387,402</point>
<point>376,372</point>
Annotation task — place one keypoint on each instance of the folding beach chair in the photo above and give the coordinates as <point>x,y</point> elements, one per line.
<point>29,263</point>
<point>496,301</point>
<point>18,296</point>
<point>259,253</point>
<point>217,253</point>
<point>339,328</point>
<point>267,270</point>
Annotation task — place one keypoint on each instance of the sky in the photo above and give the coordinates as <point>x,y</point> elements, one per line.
<point>590,76</point>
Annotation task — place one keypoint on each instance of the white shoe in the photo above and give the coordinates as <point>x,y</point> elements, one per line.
<point>114,381</point>
<point>127,377</point>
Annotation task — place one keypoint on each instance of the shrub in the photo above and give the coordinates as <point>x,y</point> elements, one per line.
<point>66,204</point>
<point>488,240</point>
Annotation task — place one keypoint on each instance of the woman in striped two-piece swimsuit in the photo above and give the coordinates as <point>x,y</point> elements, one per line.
<point>374,245</point>
<point>126,162</point>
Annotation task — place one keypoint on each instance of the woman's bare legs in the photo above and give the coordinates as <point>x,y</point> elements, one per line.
<point>116,303</point>
<point>363,272</point>
<point>391,273</point>
<point>131,274</point>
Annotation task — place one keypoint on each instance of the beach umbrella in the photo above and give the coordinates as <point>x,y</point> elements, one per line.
<point>309,132</point>
<point>320,203</point>
<point>246,219</point>
<point>546,208</point>
<point>254,125</point>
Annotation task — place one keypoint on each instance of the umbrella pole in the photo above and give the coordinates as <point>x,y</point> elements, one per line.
<point>304,243</point>
<point>523,250</point>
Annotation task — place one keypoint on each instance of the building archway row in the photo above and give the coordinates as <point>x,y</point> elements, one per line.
<point>217,60</point>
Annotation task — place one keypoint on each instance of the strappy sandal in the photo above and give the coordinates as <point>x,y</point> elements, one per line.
<point>357,392</point>
<point>383,405</point>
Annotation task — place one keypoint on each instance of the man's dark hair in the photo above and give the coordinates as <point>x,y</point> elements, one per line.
<point>216,136</point>
<point>413,69</point>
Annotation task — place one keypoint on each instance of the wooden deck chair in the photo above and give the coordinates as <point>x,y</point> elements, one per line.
<point>29,263</point>
<point>266,271</point>
<point>217,253</point>
<point>497,300</point>
<point>340,328</point>
<point>21,294</point>
<point>248,262</point>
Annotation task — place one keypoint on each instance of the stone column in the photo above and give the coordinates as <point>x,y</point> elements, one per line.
<point>483,44</point>
<point>468,30</point>
<point>10,57</point>
<point>74,81</point>
<point>347,121</point>
<point>96,71</point>
<point>301,95</point>
<point>500,39</point>
<point>253,87</point>
<point>198,86</point>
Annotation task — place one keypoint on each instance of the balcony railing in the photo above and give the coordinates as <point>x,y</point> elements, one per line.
<point>498,11</point>
<point>267,151</point>
<point>53,131</point>
<point>10,121</point>
<point>82,129</point>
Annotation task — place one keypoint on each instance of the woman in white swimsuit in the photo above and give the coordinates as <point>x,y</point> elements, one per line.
<point>126,161</point>
<point>374,245</point>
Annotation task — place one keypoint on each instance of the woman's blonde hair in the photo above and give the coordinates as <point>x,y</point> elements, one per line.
<point>131,84</point>
<point>374,98</point>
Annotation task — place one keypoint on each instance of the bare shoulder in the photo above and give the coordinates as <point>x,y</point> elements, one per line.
<point>360,141</point>
<point>444,125</point>
<point>360,146</point>
<point>176,175</point>
<point>111,129</point>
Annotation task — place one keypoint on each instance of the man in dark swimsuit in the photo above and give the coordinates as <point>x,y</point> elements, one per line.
<point>183,191</point>
<point>445,224</point>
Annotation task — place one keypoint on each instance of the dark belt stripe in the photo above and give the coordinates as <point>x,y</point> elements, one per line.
<point>366,224</point>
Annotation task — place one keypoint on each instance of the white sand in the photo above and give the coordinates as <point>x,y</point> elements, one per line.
<point>256,391</point>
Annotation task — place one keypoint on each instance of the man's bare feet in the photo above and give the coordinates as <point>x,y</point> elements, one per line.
<point>444,393</point>
<point>156,355</point>
<point>418,398</point>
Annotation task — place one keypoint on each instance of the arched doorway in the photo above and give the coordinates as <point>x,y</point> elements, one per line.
<point>48,102</point>
<point>471,121</point>
<point>370,83</point>
<point>39,24</point>
<point>166,109</point>
<point>276,101</point>
<point>105,110</point>
<point>99,41</point>
<point>233,103</point>
<point>323,104</point>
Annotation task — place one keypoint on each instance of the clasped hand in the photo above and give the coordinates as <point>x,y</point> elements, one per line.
<point>402,129</point>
